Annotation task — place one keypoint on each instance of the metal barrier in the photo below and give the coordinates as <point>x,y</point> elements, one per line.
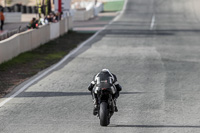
<point>12,32</point>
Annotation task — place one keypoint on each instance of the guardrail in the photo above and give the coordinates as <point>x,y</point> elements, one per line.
<point>12,32</point>
<point>28,40</point>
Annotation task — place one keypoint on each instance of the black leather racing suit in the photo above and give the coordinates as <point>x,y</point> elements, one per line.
<point>104,76</point>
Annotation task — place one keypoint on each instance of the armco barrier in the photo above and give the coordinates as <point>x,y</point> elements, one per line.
<point>54,30</point>
<point>9,48</point>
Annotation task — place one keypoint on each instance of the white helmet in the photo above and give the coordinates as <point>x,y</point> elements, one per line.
<point>105,70</point>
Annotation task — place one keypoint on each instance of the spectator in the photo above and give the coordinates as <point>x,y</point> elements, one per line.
<point>2,18</point>
<point>53,16</point>
<point>41,21</point>
<point>58,16</point>
<point>50,19</point>
<point>33,24</point>
<point>46,21</point>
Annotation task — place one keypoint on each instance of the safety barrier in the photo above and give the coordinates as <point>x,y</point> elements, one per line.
<point>40,36</point>
<point>62,24</point>
<point>12,32</point>
<point>54,30</point>
<point>31,39</point>
<point>9,48</point>
<point>98,8</point>
<point>83,14</point>
<point>23,39</point>
<point>88,10</point>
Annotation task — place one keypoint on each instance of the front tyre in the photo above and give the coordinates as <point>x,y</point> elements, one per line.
<point>103,114</point>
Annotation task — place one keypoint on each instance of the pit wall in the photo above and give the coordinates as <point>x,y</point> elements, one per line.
<point>32,39</point>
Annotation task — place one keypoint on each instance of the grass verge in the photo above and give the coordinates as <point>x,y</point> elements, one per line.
<point>25,65</point>
<point>113,6</point>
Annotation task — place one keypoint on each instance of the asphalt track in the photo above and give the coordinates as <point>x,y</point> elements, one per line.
<point>153,48</point>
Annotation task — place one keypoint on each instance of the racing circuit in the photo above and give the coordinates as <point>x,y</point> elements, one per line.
<point>153,48</point>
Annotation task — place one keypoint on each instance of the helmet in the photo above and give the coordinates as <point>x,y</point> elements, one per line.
<point>105,70</point>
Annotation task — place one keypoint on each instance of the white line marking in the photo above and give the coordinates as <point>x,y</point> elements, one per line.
<point>121,13</point>
<point>56,65</point>
<point>152,22</point>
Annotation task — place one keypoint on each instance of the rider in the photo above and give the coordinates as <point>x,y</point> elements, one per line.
<point>99,80</point>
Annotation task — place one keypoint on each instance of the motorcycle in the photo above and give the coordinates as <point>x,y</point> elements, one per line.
<point>106,105</point>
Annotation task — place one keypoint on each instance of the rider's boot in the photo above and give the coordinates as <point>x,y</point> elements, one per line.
<point>95,110</point>
<point>116,109</point>
<point>115,106</point>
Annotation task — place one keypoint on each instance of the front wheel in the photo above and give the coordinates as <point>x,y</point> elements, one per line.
<point>103,114</point>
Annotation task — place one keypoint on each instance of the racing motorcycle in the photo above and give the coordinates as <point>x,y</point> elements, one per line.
<point>106,105</point>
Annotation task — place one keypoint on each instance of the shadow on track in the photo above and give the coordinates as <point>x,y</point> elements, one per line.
<point>157,126</point>
<point>141,32</point>
<point>63,94</point>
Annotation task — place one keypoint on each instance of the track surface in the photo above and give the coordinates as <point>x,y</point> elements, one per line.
<point>154,49</point>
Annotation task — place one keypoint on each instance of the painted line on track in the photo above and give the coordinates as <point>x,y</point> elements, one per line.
<point>121,13</point>
<point>59,63</point>
<point>152,22</point>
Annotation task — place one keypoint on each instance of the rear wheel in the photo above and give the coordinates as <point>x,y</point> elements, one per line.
<point>103,114</point>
